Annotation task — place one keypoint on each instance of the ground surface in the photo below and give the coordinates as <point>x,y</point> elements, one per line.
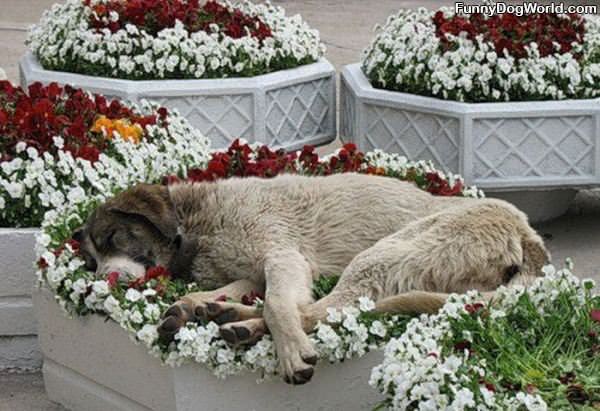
<point>346,27</point>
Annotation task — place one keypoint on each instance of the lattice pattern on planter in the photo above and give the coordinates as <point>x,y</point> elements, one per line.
<point>347,111</point>
<point>298,111</point>
<point>417,135</point>
<point>509,148</point>
<point>221,118</point>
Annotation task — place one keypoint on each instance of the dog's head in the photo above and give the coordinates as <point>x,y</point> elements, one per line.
<point>130,232</point>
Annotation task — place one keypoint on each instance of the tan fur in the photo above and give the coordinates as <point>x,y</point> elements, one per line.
<point>276,236</point>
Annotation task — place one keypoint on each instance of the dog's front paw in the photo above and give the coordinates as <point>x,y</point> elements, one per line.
<point>243,332</point>
<point>173,319</point>
<point>297,360</point>
<point>226,312</point>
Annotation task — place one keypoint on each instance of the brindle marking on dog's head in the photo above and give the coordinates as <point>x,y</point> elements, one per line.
<point>130,232</point>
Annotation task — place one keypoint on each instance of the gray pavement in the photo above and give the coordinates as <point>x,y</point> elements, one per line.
<point>346,27</point>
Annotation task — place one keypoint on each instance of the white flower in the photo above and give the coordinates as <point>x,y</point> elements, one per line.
<point>333,316</point>
<point>111,304</point>
<point>152,312</point>
<point>366,304</point>
<point>136,317</point>
<point>148,334</point>
<point>378,329</point>
<point>133,295</point>
<point>149,292</point>
<point>20,147</point>
<point>100,288</point>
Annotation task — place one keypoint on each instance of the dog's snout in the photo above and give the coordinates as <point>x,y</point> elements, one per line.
<point>123,265</point>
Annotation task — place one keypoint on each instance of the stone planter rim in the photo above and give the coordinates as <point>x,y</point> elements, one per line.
<point>24,229</point>
<point>363,89</point>
<point>182,86</point>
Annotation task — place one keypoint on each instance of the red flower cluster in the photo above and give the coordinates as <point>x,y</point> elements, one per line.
<point>240,160</point>
<point>159,273</point>
<point>512,33</point>
<point>473,308</point>
<point>35,118</point>
<point>156,15</point>
<point>439,186</point>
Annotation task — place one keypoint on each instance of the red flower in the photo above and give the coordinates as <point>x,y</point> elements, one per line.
<point>113,278</point>
<point>250,299</point>
<point>473,308</point>
<point>462,345</point>
<point>156,272</point>
<point>42,263</point>
<point>74,245</point>
<point>595,315</point>
<point>439,186</point>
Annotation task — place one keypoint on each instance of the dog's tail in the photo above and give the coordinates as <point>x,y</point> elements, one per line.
<point>425,302</point>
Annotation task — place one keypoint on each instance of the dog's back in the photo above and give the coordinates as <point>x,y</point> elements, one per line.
<point>328,219</point>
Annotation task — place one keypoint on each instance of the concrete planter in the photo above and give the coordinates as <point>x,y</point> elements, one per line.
<point>91,364</point>
<point>286,109</point>
<point>18,341</point>
<point>545,149</point>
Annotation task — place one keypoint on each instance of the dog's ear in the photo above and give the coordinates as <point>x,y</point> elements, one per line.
<point>150,203</point>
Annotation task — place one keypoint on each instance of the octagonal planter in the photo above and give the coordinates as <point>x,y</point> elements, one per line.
<point>534,154</point>
<point>285,109</point>
<point>91,364</point>
<point>18,341</point>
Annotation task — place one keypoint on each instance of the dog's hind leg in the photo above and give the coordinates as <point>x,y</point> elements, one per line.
<point>365,276</point>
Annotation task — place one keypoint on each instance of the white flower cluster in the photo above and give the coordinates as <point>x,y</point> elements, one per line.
<point>64,40</point>
<point>417,370</point>
<point>408,56</point>
<point>32,183</point>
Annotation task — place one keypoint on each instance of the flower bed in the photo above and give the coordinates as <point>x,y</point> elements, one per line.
<point>171,39</point>
<point>137,305</point>
<point>474,58</point>
<point>532,349</point>
<point>244,71</point>
<point>496,133</point>
<point>61,148</point>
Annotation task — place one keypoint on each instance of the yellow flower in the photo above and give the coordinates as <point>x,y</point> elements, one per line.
<point>103,125</point>
<point>126,130</point>
<point>129,132</point>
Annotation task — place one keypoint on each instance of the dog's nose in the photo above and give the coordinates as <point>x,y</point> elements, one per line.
<point>91,264</point>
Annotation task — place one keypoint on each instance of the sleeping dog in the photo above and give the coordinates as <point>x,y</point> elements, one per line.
<point>392,242</point>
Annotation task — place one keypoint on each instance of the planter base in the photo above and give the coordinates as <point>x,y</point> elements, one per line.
<point>539,206</point>
<point>18,343</point>
<point>90,365</point>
